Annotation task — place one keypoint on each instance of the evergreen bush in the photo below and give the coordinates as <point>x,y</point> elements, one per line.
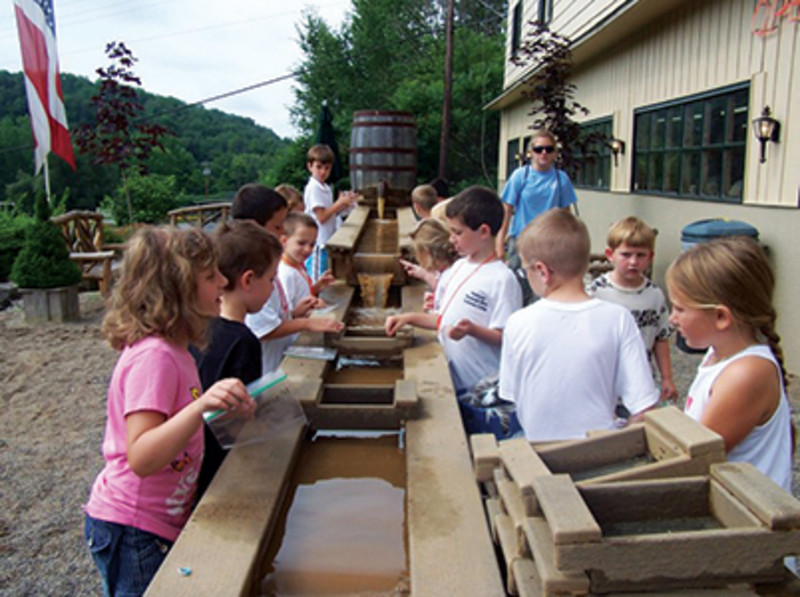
<point>12,237</point>
<point>44,259</point>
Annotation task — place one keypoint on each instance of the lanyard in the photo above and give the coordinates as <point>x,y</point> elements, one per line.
<point>303,273</point>
<point>491,257</point>
<point>285,311</point>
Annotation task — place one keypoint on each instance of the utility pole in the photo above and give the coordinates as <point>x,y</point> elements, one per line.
<point>444,140</point>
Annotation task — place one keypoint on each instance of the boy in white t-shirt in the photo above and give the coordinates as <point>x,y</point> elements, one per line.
<point>567,358</point>
<point>298,240</point>
<point>318,199</point>
<point>475,296</point>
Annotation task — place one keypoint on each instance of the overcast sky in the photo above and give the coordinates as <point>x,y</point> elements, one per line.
<point>188,49</point>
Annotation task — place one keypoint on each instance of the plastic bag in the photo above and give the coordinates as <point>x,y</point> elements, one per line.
<point>277,410</point>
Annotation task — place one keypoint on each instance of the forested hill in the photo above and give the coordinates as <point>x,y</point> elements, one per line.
<point>235,149</point>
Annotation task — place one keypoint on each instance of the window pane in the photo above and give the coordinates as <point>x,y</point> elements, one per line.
<point>734,170</point>
<point>690,173</point>
<point>739,132</point>
<point>640,173</point>
<point>674,126</point>
<point>511,160</point>
<point>659,130</point>
<point>671,171</point>
<point>693,125</point>
<point>642,124</point>
<point>717,110</point>
<point>655,171</point>
<point>712,173</point>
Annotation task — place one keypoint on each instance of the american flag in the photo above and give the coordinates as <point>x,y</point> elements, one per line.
<point>37,41</point>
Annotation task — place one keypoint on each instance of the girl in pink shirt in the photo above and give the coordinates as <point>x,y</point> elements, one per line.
<point>168,291</point>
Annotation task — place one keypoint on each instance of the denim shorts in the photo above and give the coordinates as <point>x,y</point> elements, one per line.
<point>128,558</point>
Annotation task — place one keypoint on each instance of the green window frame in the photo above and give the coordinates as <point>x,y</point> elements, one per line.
<point>594,159</point>
<point>693,147</point>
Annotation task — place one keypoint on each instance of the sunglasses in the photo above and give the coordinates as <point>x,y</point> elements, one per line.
<point>541,148</point>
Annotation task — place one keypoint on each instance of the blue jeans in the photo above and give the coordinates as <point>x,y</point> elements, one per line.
<point>128,558</point>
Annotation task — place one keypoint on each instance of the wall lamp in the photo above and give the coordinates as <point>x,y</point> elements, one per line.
<point>617,147</point>
<point>766,129</point>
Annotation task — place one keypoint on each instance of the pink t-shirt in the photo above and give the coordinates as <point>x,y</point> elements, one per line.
<point>151,375</point>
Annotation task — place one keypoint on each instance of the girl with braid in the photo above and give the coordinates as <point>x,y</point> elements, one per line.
<point>721,294</point>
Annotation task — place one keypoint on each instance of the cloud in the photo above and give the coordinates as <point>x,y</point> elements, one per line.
<point>191,50</point>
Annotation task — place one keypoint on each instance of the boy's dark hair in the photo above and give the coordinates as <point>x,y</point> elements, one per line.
<point>256,202</point>
<point>476,206</point>
<point>320,153</point>
<point>243,245</point>
<point>296,219</point>
<point>441,186</point>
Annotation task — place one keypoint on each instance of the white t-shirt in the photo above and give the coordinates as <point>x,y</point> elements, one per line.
<point>485,294</point>
<point>317,194</point>
<point>274,312</point>
<point>296,285</point>
<point>646,303</point>
<point>566,364</point>
<point>768,447</point>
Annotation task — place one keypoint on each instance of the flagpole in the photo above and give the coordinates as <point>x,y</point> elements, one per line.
<point>47,181</point>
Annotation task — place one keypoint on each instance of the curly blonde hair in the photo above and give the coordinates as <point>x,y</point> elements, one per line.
<point>432,235</point>
<point>156,294</point>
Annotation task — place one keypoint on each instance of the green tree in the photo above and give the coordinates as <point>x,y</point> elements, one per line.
<point>151,197</point>
<point>44,259</point>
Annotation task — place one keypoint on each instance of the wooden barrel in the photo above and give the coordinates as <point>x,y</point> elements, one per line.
<point>383,148</point>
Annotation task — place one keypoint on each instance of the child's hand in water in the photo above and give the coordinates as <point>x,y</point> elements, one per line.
<point>324,324</point>
<point>305,306</point>
<point>394,323</point>
<point>462,328</point>
<point>228,394</point>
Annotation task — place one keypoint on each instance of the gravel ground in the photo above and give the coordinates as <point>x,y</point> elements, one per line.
<point>52,389</point>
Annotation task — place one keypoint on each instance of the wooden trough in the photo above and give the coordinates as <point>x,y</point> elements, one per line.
<point>679,519</point>
<point>448,550</point>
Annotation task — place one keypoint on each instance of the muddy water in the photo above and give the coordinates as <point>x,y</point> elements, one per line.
<point>375,289</point>
<point>344,530</point>
<point>379,236</point>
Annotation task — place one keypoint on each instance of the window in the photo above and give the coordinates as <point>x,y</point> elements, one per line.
<point>693,147</point>
<point>594,160</point>
<point>545,11</point>
<point>512,152</point>
<point>516,28</point>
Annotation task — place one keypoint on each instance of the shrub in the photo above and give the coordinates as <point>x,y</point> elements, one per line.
<point>12,237</point>
<point>44,259</point>
<point>151,198</point>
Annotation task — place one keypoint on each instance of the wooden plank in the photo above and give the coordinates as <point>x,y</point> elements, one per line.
<point>493,507</point>
<point>406,223</point>
<point>485,455</point>
<point>526,578</point>
<point>690,436</point>
<point>647,500</point>
<point>538,534</point>
<point>728,510</point>
<point>524,465</point>
<point>569,519</point>
<point>509,547</point>
<point>346,237</point>
<point>665,560</point>
<point>371,345</point>
<point>405,394</point>
<point>776,508</point>
<point>594,452</point>
<point>512,501</point>
<point>450,550</point>
<point>224,540</point>
<point>677,466</point>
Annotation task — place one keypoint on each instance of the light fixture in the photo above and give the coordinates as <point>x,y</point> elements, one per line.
<point>766,129</point>
<point>617,147</point>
